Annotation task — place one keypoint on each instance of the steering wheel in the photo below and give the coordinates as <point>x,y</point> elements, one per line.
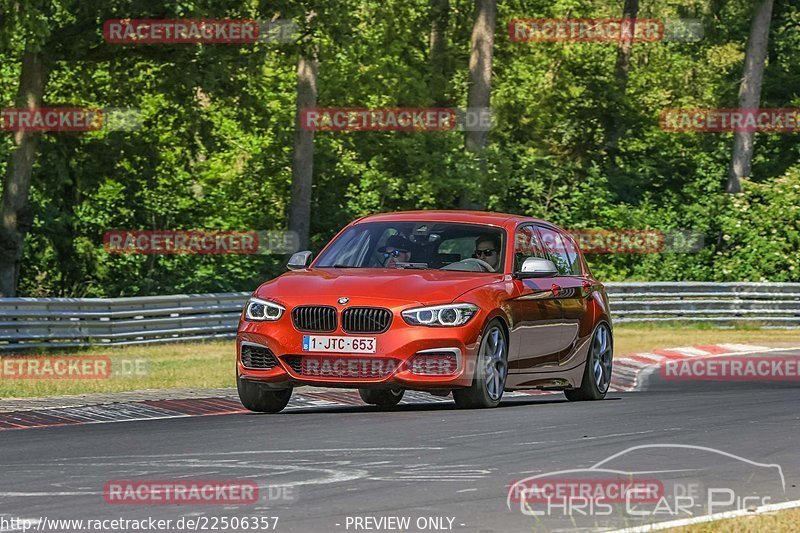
<point>472,263</point>
<point>486,266</point>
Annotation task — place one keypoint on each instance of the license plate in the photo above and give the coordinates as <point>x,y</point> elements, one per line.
<point>325,343</point>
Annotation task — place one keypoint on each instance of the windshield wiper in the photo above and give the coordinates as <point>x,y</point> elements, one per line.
<point>418,266</point>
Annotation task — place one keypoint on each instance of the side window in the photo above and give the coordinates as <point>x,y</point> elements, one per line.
<point>526,244</point>
<point>573,256</point>
<point>555,247</point>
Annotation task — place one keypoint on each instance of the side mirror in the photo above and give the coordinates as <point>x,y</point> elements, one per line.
<point>536,267</point>
<point>299,260</point>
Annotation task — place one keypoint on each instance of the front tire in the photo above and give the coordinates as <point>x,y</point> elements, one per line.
<point>491,370</point>
<point>597,370</point>
<point>260,398</point>
<point>384,398</point>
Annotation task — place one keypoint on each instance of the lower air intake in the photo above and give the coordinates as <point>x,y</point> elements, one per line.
<point>258,357</point>
<point>434,364</point>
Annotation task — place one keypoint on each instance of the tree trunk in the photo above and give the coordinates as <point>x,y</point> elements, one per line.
<point>303,159</point>
<point>480,77</point>
<point>629,11</point>
<point>616,126</point>
<point>439,13</point>
<point>15,217</point>
<point>750,94</point>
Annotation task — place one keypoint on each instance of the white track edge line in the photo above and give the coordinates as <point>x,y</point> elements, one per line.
<point>711,517</point>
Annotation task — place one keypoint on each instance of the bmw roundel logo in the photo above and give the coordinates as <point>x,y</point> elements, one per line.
<point>343,300</point>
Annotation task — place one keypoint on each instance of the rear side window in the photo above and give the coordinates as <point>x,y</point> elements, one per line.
<point>561,250</point>
<point>573,256</point>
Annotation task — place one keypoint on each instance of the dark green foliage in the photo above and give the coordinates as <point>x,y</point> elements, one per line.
<point>215,148</point>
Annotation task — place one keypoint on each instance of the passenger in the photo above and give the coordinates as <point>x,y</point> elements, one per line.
<point>396,250</point>
<point>487,248</point>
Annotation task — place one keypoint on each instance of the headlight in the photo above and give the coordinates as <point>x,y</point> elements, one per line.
<point>261,310</point>
<point>440,315</point>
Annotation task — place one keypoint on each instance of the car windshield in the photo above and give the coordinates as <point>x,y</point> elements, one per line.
<point>417,245</point>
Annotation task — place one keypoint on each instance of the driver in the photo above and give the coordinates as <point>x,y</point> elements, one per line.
<point>487,248</point>
<point>396,250</point>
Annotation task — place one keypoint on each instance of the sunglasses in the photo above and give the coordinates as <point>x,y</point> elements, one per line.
<point>486,253</point>
<point>394,253</point>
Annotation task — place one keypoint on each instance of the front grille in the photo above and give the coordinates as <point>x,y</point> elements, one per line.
<point>259,357</point>
<point>366,320</point>
<point>320,319</point>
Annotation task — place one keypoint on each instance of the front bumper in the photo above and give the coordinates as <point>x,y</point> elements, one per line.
<point>395,350</point>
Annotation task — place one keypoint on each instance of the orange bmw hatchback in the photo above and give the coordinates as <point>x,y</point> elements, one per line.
<point>460,302</point>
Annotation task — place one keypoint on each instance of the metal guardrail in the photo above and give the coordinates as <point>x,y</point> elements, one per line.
<point>769,305</point>
<point>31,323</point>
<point>34,323</point>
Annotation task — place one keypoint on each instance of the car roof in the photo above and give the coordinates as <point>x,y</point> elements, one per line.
<point>467,217</point>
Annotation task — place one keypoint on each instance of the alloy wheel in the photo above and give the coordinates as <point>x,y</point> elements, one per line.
<point>493,354</point>
<point>601,358</point>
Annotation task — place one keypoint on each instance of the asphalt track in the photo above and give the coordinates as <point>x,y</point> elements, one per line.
<point>421,460</point>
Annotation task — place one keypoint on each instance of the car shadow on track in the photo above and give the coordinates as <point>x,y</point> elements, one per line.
<point>419,407</point>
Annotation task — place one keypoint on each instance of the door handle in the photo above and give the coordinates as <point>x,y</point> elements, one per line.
<point>556,289</point>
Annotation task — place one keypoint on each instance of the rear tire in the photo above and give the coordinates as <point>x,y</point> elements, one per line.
<point>384,398</point>
<point>597,370</point>
<point>491,370</point>
<point>260,398</point>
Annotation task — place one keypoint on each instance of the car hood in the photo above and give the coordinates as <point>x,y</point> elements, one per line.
<point>400,285</point>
